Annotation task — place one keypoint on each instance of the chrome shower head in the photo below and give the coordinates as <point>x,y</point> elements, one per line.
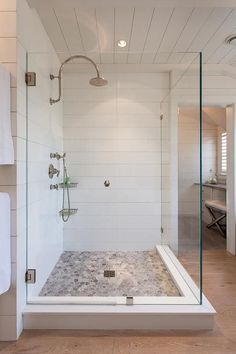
<point>98,81</point>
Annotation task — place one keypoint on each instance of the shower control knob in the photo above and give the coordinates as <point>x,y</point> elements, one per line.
<point>107,183</point>
<point>56,155</point>
<point>53,171</point>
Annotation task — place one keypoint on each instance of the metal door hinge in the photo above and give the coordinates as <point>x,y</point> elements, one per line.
<point>30,276</point>
<point>162,230</point>
<point>30,79</point>
<point>161,117</point>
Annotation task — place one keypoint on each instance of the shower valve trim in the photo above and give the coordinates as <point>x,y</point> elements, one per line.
<point>56,155</point>
<point>53,171</point>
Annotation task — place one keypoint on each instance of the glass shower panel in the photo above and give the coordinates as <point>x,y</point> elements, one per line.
<point>44,135</point>
<point>181,136</point>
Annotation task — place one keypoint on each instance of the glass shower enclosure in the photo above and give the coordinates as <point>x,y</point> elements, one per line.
<point>131,223</point>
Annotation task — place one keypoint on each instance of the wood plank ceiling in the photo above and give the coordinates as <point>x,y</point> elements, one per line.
<point>153,35</point>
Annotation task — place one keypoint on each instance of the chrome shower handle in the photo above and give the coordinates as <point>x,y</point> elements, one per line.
<point>53,171</point>
<point>54,186</point>
<point>57,156</point>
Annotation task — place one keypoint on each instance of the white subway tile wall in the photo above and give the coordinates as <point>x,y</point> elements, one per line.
<point>113,133</point>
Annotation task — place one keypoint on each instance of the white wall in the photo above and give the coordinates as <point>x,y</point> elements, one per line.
<point>231,180</point>
<point>189,159</point>
<point>8,173</point>
<point>113,133</point>
<point>169,137</point>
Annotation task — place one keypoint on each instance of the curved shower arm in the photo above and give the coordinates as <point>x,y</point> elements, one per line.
<point>52,77</point>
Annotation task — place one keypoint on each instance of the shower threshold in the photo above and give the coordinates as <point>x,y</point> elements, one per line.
<point>143,312</point>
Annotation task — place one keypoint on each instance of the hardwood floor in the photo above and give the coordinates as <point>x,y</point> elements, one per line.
<point>189,236</point>
<point>219,287</point>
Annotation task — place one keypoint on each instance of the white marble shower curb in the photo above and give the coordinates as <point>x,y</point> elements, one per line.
<point>158,312</point>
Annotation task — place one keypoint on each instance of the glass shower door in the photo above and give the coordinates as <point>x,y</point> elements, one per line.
<point>44,135</point>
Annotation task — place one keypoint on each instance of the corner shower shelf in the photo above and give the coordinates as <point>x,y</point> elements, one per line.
<point>68,212</point>
<point>70,185</point>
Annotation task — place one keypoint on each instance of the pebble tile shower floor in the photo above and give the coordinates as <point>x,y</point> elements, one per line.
<point>139,273</point>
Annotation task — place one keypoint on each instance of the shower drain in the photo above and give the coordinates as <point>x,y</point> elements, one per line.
<point>109,273</point>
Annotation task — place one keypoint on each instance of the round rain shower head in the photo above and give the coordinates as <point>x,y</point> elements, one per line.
<point>98,81</point>
<point>231,39</point>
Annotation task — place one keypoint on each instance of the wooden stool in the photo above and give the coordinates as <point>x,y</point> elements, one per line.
<point>215,207</point>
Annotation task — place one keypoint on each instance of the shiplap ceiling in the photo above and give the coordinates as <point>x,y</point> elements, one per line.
<point>153,34</point>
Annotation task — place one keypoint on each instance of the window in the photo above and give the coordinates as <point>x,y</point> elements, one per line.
<point>223,157</point>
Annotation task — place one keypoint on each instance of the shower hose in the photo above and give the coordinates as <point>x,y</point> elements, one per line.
<point>66,192</point>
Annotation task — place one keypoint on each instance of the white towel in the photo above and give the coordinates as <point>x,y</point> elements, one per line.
<point>5,243</point>
<point>6,143</point>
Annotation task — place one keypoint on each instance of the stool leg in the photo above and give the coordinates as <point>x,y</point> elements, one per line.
<point>215,221</point>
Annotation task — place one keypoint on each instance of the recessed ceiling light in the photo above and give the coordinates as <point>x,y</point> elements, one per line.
<point>121,43</point>
<point>231,39</point>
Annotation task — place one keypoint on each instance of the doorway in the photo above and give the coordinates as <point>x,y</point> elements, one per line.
<point>214,177</point>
